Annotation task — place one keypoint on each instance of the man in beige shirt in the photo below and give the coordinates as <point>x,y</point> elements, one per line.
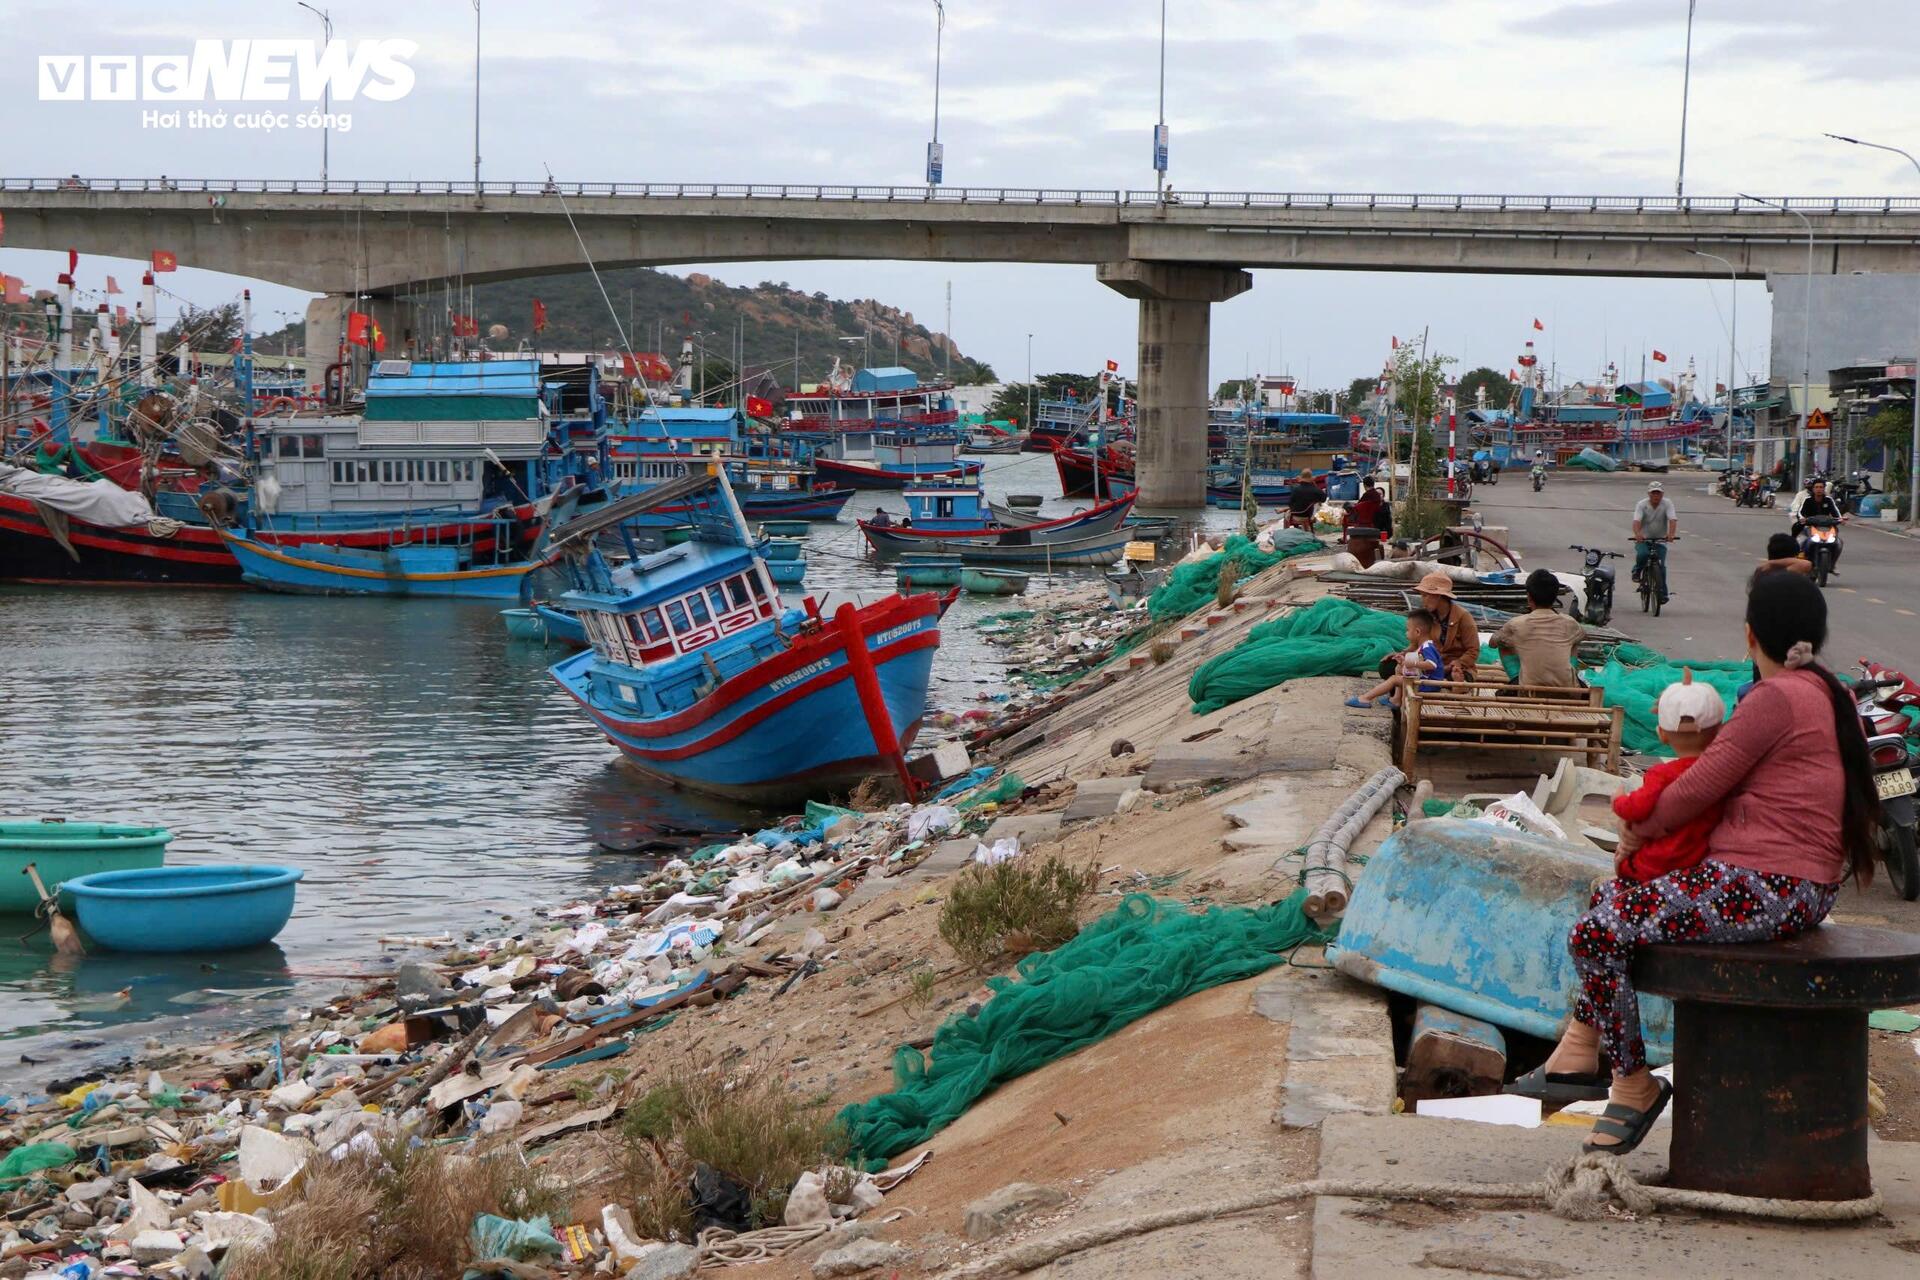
<point>1543,638</point>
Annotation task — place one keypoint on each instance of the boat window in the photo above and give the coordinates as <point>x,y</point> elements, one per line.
<point>737,588</point>
<point>655,625</point>
<point>678,617</point>
<point>362,472</point>
<point>754,585</point>
<point>341,472</point>
<point>313,446</point>
<point>717,596</point>
<point>386,471</point>
<point>286,446</point>
<point>698,608</point>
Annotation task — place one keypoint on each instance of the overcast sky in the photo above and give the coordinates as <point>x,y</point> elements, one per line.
<point>1277,95</point>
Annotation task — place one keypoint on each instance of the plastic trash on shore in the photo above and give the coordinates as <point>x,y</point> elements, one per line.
<point>1005,849</point>
<point>1518,812</point>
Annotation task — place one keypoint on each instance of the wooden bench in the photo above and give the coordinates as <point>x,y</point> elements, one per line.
<point>1770,1057</point>
<point>1510,717</point>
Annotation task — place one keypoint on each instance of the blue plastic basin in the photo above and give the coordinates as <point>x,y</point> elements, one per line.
<point>184,908</point>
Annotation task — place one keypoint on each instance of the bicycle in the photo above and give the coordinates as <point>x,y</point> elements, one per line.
<point>1653,578</point>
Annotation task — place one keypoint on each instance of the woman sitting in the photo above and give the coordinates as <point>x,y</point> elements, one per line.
<point>1792,772</point>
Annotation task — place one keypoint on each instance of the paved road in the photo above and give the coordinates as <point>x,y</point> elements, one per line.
<point>1874,607</point>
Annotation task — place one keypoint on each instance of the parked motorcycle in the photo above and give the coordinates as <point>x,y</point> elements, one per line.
<point>1849,491</point>
<point>1732,482</point>
<point>1893,760</point>
<point>1822,536</point>
<point>1756,491</point>
<point>1598,584</point>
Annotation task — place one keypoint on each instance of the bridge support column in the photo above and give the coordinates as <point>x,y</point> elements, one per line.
<point>327,334</point>
<point>1175,327</point>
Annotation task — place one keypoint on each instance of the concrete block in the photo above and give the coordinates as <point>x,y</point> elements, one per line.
<point>990,1215</point>
<point>1098,798</point>
<point>1029,828</point>
<point>1339,1045</point>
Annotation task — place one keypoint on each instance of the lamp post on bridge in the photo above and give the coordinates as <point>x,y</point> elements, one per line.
<point>1913,450</point>
<point>1806,341</point>
<point>326,88</point>
<point>936,159</point>
<point>1733,340</point>
<point>1686,88</point>
<point>476,99</point>
<point>1160,129</point>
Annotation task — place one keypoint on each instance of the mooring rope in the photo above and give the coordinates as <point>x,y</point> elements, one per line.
<point>1584,1189</point>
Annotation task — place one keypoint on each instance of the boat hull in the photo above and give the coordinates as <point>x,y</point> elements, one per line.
<point>284,570</point>
<point>792,726</point>
<point>993,582</point>
<point>62,851</point>
<point>862,477</point>
<point>814,504</point>
<point>1098,549</point>
<point>1075,467</point>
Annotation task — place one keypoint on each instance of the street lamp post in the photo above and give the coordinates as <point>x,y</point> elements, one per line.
<point>1733,341</point>
<point>936,160</point>
<point>476,99</point>
<point>1913,450</point>
<point>1160,129</point>
<point>326,89</point>
<point>1686,88</point>
<point>1806,340</point>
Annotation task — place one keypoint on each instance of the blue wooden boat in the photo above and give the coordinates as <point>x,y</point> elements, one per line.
<point>703,678</point>
<point>927,573</point>
<point>524,624</point>
<point>988,581</point>
<point>430,571</point>
<point>786,564</point>
<point>1474,919</point>
<point>544,624</point>
<point>781,528</point>
<point>61,850</point>
<point>945,519</point>
<point>1097,549</point>
<point>174,909</point>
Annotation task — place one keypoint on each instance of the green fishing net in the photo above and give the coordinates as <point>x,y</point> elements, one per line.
<point>1330,637</point>
<point>1193,585</point>
<point>1634,678</point>
<point>1141,956</point>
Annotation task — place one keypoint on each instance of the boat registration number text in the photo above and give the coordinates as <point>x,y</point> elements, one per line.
<point>795,677</point>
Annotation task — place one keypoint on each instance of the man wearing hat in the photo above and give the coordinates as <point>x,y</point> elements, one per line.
<point>1459,639</point>
<point>1655,524</point>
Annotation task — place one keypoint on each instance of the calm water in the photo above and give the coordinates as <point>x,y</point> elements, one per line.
<point>425,773</point>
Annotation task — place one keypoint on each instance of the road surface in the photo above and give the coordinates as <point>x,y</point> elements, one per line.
<point>1873,606</point>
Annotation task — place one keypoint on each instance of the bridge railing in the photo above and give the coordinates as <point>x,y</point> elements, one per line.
<point>1409,202</point>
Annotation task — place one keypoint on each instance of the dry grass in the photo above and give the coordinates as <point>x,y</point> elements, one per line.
<point>1161,652</point>
<point>747,1124</point>
<point>401,1213</point>
<point>1229,581</point>
<point>1014,907</point>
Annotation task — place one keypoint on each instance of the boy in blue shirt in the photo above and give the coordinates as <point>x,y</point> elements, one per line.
<point>1420,663</point>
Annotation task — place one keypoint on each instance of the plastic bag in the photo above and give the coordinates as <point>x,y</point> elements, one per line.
<point>518,1241</point>
<point>23,1162</point>
<point>1008,788</point>
<point>1522,814</point>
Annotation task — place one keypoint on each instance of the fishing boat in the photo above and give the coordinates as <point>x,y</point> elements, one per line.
<point>1009,548</point>
<point>888,460</point>
<point>988,441</point>
<point>1025,500</point>
<point>786,564</point>
<point>869,398</point>
<point>955,512</point>
<point>61,850</point>
<point>541,623</point>
<point>702,678</point>
<point>927,572</point>
<point>981,580</point>
<point>451,572</point>
<point>1075,467</point>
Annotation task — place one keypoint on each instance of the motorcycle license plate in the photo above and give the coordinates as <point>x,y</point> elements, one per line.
<point>1899,782</point>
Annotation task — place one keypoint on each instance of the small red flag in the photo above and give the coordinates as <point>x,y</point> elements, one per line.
<point>236,346</point>
<point>379,339</point>
<point>1719,386</point>
<point>1538,325</point>
<point>358,323</point>
<point>1396,344</point>
<point>113,286</point>
<point>1513,375</point>
<point>1113,366</point>
<point>73,261</point>
<point>1661,356</point>
<point>629,367</point>
<point>120,314</point>
<point>758,407</point>
<point>163,260</point>
<point>539,315</point>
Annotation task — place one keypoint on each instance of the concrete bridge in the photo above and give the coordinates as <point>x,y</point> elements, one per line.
<point>1175,256</point>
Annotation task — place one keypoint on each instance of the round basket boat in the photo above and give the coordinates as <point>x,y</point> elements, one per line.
<point>171,909</point>
<point>61,850</point>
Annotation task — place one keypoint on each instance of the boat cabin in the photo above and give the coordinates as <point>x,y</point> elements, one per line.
<point>871,396</point>
<point>948,507</point>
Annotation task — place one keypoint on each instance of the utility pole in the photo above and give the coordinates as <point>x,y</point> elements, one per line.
<point>936,159</point>
<point>1029,382</point>
<point>326,89</point>
<point>476,99</point>
<point>1686,88</point>
<point>1160,129</point>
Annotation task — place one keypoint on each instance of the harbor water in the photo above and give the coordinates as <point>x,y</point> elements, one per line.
<point>424,771</point>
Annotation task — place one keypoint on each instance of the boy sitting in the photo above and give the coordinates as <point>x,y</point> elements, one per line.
<point>1690,714</point>
<point>1421,662</point>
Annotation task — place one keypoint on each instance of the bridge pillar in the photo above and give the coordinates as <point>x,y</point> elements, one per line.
<point>1175,326</point>
<point>327,333</point>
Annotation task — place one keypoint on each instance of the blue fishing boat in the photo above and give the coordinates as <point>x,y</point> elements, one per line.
<point>702,677</point>
<point>786,563</point>
<point>953,513</point>
<point>176,909</point>
<point>543,624</point>
<point>451,572</point>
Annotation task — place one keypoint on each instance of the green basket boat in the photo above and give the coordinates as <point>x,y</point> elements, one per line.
<point>63,850</point>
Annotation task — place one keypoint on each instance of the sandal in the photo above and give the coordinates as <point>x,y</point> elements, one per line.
<point>1562,1086</point>
<point>1630,1126</point>
<point>1362,703</point>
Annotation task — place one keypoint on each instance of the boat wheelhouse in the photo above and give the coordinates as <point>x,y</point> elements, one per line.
<point>872,398</point>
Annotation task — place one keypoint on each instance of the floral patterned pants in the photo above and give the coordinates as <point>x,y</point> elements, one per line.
<point>1710,902</point>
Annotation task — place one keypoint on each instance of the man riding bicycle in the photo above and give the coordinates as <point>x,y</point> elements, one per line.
<point>1655,524</point>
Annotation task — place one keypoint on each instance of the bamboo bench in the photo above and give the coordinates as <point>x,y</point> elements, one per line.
<point>1510,717</point>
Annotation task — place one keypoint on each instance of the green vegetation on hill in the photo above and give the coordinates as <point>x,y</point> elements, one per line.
<point>665,308</point>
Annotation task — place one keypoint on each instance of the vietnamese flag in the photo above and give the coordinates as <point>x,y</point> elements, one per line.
<point>757,407</point>
<point>1513,375</point>
<point>1113,366</point>
<point>164,260</point>
<point>379,339</point>
<point>539,315</point>
<point>1660,356</point>
<point>358,323</point>
<point>1537,325</point>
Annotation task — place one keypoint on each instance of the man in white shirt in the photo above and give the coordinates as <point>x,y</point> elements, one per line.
<point>1655,524</point>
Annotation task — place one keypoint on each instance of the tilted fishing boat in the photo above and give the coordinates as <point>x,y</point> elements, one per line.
<point>703,678</point>
<point>1008,548</point>
<point>952,514</point>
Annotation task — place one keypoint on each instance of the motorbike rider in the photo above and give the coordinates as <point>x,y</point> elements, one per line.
<point>1816,501</point>
<point>1655,524</point>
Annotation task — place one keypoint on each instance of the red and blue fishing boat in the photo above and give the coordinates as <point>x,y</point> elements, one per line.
<point>702,677</point>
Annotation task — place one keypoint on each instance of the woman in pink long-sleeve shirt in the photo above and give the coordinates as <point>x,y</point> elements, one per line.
<point>1791,769</point>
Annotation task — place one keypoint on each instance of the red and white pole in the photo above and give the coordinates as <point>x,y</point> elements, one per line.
<point>1450,429</point>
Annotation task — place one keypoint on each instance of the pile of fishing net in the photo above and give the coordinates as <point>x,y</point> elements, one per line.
<point>1193,585</point>
<point>1634,678</point>
<point>1143,955</point>
<point>1591,460</point>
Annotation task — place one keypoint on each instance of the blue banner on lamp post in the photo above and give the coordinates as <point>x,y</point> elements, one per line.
<point>1160,148</point>
<point>936,163</point>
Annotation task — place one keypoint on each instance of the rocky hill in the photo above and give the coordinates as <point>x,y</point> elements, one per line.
<point>664,308</point>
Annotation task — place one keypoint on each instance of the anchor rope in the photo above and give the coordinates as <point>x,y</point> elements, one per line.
<point>1585,1189</point>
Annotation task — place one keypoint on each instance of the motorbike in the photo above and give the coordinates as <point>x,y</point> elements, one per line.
<point>1849,491</point>
<point>1598,584</point>
<point>1539,476</point>
<point>1893,760</point>
<point>1822,535</point>
<point>1756,491</point>
<point>1903,692</point>
<point>1485,471</point>
<point>1733,482</point>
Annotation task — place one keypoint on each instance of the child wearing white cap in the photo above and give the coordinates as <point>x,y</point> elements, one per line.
<point>1690,714</point>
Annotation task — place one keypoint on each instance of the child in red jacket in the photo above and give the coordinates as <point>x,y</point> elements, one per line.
<point>1690,714</point>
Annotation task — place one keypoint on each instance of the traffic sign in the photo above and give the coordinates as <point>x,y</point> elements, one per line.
<point>1818,420</point>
